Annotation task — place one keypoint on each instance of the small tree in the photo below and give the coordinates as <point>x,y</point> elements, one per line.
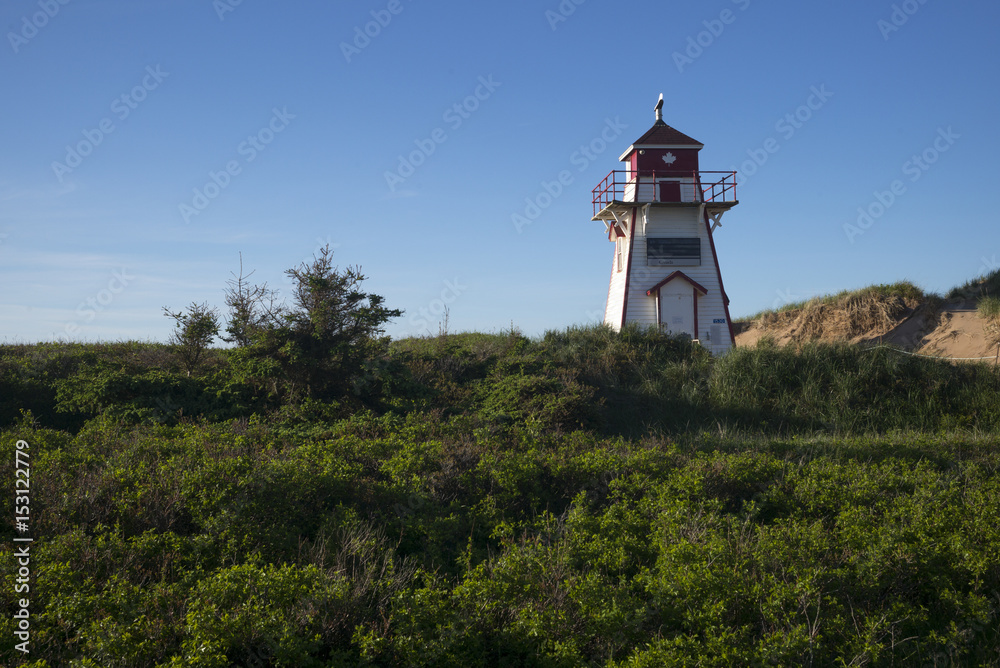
<point>252,309</point>
<point>315,347</point>
<point>193,332</point>
<point>334,326</point>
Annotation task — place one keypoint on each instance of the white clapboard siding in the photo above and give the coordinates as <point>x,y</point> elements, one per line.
<point>682,221</point>
<point>616,291</point>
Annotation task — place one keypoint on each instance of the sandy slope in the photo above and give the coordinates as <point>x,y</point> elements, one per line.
<point>954,330</point>
<point>958,333</point>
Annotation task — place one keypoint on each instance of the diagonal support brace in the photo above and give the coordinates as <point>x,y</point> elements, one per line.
<point>716,219</point>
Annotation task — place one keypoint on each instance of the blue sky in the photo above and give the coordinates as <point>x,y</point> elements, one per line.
<point>146,144</point>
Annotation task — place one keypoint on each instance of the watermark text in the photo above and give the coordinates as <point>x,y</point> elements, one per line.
<point>22,552</point>
<point>914,168</point>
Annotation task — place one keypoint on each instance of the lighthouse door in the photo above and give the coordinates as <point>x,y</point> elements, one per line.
<point>677,308</point>
<point>670,190</point>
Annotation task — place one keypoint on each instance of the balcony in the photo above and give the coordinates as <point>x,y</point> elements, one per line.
<point>717,189</point>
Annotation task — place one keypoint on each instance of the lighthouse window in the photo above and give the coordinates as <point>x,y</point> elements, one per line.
<point>620,253</point>
<point>665,252</point>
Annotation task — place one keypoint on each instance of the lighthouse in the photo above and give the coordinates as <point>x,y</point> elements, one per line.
<point>661,213</point>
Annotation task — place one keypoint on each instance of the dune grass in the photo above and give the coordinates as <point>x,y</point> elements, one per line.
<point>903,290</point>
<point>989,308</point>
<point>987,285</point>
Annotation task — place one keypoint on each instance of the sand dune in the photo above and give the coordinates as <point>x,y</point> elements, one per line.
<point>952,329</point>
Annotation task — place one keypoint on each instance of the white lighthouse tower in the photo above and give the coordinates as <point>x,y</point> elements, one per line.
<point>661,212</point>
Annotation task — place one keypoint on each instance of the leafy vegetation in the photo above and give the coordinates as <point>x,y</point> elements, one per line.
<point>316,347</point>
<point>193,333</point>
<point>583,498</point>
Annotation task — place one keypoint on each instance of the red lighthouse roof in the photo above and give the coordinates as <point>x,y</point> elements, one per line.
<point>662,135</point>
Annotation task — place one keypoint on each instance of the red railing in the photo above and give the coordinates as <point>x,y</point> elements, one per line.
<point>624,186</point>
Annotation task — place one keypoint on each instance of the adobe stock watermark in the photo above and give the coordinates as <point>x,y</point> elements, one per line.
<point>562,13</point>
<point>899,17</point>
<point>914,168</point>
<point>787,127</point>
<point>697,44</point>
<point>581,158</point>
<point>248,150</point>
<point>88,310</point>
<point>437,308</point>
<point>22,522</point>
<point>223,7</point>
<point>787,297</point>
<point>30,25</point>
<point>122,107</point>
<point>363,36</point>
<point>454,116</point>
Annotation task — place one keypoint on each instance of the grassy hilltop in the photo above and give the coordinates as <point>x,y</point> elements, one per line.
<point>583,498</point>
<point>964,323</point>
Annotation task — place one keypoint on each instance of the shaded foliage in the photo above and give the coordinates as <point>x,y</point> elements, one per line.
<point>419,541</point>
<point>584,498</point>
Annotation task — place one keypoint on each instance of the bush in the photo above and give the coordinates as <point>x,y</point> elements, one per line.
<point>193,334</point>
<point>318,347</point>
<point>244,543</point>
<point>850,389</point>
<point>252,615</point>
<point>148,396</point>
<point>549,402</point>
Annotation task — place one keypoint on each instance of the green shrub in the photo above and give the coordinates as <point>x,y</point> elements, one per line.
<point>193,333</point>
<point>267,615</point>
<point>552,403</point>
<point>148,395</point>
<point>586,498</point>
<point>850,389</point>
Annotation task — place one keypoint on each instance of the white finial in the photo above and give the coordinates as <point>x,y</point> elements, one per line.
<point>659,108</point>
